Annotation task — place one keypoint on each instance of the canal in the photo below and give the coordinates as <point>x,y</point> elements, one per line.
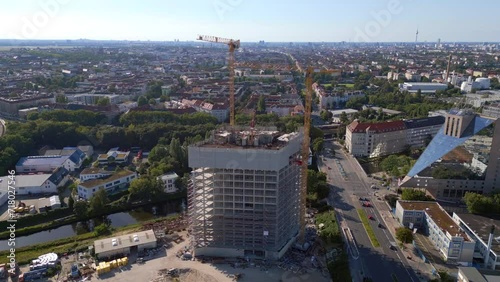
<point>117,220</point>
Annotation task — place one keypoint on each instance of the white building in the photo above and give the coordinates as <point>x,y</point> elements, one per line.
<point>479,228</point>
<point>91,99</point>
<point>336,114</point>
<point>336,97</point>
<point>70,158</point>
<point>93,173</point>
<point>113,156</point>
<point>169,182</point>
<point>113,183</point>
<point>37,183</point>
<point>453,244</point>
<point>121,245</point>
<point>424,87</point>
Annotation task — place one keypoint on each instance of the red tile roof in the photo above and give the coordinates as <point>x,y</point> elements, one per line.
<point>357,127</point>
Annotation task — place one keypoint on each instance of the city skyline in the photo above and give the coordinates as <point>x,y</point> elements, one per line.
<point>354,21</point>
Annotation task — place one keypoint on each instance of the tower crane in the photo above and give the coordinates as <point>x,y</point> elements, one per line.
<point>306,144</point>
<point>233,44</point>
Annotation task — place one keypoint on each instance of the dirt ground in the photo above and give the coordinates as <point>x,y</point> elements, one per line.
<point>195,271</point>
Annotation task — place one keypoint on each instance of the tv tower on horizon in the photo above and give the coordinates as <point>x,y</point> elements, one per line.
<point>416,36</point>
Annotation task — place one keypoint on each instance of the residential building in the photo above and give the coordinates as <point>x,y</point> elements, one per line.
<point>113,156</point>
<point>485,231</point>
<point>424,87</point>
<point>91,99</point>
<point>453,244</point>
<point>419,132</point>
<point>93,173</point>
<point>460,126</point>
<point>121,245</point>
<point>37,183</point>
<point>168,181</point>
<point>10,106</point>
<point>113,183</point>
<point>375,139</point>
<point>335,98</point>
<point>240,205</point>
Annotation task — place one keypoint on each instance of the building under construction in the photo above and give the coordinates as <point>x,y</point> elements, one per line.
<point>245,193</point>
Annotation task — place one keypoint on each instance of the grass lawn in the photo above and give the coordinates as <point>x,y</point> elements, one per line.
<point>368,228</point>
<point>347,85</point>
<point>326,85</point>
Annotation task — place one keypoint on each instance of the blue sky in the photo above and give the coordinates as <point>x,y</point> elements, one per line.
<point>252,20</point>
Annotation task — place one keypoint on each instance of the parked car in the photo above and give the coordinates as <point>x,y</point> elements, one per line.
<point>371,217</point>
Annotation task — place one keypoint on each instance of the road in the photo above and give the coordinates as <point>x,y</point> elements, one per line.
<point>381,263</point>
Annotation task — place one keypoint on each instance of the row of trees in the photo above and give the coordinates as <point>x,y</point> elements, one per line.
<point>81,117</point>
<point>482,204</point>
<point>445,172</point>
<point>411,194</point>
<point>62,128</point>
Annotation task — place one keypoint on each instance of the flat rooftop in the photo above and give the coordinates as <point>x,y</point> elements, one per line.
<point>89,184</point>
<point>124,241</point>
<point>248,138</point>
<point>481,226</point>
<point>442,219</point>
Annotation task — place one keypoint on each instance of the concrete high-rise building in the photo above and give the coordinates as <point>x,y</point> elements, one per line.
<point>460,125</point>
<point>245,193</point>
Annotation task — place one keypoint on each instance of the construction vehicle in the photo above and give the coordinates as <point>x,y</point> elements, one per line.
<point>233,44</point>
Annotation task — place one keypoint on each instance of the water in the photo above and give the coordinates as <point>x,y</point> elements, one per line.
<point>117,220</point>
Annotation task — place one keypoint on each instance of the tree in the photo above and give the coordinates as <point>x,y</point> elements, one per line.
<point>142,101</point>
<point>99,201</point>
<point>80,209</point>
<point>103,101</point>
<point>261,104</point>
<point>410,194</point>
<point>343,118</point>
<point>71,202</point>
<point>101,229</point>
<point>404,235</point>
<point>152,101</point>
<point>60,98</point>
<point>145,188</point>
<point>317,145</point>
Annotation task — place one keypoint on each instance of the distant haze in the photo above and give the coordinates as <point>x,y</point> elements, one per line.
<point>253,20</point>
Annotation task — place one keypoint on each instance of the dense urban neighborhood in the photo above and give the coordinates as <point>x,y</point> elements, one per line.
<point>313,161</point>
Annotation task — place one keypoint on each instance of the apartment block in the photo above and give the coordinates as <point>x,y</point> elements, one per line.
<point>112,183</point>
<point>244,196</point>
<point>375,139</point>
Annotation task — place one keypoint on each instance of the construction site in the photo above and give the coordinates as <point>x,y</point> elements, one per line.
<point>245,193</point>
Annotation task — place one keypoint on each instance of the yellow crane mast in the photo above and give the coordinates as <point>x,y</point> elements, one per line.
<point>233,44</point>
<point>305,146</point>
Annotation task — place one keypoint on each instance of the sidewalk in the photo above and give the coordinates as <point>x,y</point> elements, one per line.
<point>421,268</point>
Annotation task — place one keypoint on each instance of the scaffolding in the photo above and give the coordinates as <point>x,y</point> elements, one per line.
<point>255,211</point>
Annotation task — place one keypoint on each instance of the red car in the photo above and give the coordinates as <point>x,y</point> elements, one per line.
<point>366,204</point>
<point>371,217</point>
